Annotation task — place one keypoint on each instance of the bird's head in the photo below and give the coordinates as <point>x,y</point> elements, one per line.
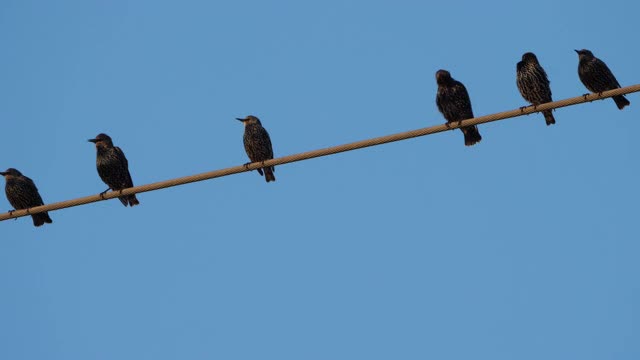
<point>443,77</point>
<point>529,57</point>
<point>10,172</point>
<point>584,53</point>
<point>102,140</point>
<point>249,120</point>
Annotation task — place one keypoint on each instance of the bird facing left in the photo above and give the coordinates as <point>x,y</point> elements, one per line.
<point>113,168</point>
<point>257,144</point>
<point>22,193</point>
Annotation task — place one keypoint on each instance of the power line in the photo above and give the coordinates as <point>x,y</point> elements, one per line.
<point>321,152</point>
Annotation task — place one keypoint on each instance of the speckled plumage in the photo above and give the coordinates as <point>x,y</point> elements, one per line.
<point>22,193</point>
<point>533,84</point>
<point>454,103</point>
<point>597,77</point>
<point>257,144</point>
<point>113,168</point>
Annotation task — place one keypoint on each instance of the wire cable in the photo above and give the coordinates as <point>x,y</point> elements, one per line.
<point>322,152</point>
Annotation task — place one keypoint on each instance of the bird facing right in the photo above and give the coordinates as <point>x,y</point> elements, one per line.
<point>454,103</point>
<point>22,193</point>
<point>257,144</point>
<point>533,83</point>
<point>597,77</point>
<point>113,168</point>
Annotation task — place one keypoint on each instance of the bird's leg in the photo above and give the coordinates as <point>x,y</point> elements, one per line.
<point>104,192</point>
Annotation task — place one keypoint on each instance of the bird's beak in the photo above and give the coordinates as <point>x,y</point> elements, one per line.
<point>239,119</point>
<point>3,173</point>
<point>577,51</point>
<point>93,140</point>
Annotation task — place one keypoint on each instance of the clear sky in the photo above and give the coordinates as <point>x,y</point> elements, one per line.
<point>524,246</point>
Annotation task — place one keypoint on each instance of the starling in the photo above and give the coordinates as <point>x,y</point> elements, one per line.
<point>113,168</point>
<point>257,144</point>
<point>597,77</point>
<point>22,193</point>
<point>533,83</point>
<point>453,102</point>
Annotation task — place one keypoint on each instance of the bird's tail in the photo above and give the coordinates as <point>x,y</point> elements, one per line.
<point>41,218</point>
<point>621,101</point>
<point>130,200</point>
<point>268,174</point>
<point>471,135</point>
<point>548,116</point>
<point>133,200</point>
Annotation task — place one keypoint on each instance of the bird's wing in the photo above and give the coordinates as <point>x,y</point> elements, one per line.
<point>267,139</point>
<point>545,79</point>
<point>34,189</point>
<point>125,165</point>
<point>121,157</point>
<point>30,183</point>
<point>610,78</point>
<point>463,100</point>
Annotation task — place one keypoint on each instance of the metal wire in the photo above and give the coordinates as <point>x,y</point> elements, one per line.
<point>321,152</point>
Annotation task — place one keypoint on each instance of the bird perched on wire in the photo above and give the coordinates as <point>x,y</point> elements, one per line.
<point>22,193</point>
<point>533,84</point>
<point>454,103</point>
<point>257,144</point>
<point>113,168</point>
<point>597,77</point>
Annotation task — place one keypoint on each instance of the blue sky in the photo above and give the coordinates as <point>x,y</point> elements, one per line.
<point>523,246</point>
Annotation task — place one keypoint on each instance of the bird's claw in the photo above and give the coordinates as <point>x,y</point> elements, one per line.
<point>246,165</point>
<point>448,125</point>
